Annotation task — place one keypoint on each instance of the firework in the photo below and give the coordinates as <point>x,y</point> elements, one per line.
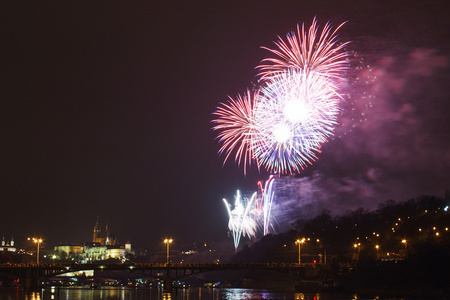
<point>235,120</point>
<point>250,215</point>
<point>307,51</point>
<point>283,124</point>
<point>240,221</point>
<point>267,200</point>
<point>295,113</point>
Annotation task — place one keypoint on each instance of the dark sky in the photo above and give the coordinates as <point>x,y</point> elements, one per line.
<point>106,109</point>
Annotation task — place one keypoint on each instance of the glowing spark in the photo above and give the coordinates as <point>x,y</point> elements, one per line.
<point>235,120</point>
<point>267,194</point>
<point>241,223</point>
<point>283,125</point>
<point>307,51</point>
<point>293,115</point>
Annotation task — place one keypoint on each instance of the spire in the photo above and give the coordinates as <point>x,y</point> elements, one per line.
<point>96,232</point>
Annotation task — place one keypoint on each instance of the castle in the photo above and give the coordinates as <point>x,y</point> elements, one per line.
<point>105,238</point>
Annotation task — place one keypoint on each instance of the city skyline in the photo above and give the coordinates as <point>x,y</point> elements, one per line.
<point>107,109</point>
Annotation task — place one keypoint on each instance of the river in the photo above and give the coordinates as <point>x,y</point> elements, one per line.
<point>122,293</point>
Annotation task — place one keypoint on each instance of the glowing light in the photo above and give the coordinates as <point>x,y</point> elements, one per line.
<point>235,121</point>
<point>267,194</point>
<point>283,124</point>
<point>249,215</point>
<point>240,221</point>
<point>308,51</point>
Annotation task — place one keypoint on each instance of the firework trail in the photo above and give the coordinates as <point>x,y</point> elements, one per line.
<point>249,215</point>
<point>295,113</point>
<point>307,51</point>
<point>267,200</point>
<point>235,120</point>
<point>240,221</point>
<point>283,124</point>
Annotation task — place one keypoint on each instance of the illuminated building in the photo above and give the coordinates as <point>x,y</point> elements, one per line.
<point>104,239</point>
<point>69,248</point>
<point>8,246</point>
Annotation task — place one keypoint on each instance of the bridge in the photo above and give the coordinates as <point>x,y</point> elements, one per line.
<point>32,273</point>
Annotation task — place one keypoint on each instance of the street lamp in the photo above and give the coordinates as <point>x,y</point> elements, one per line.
<point>405,242</point>
<point>168,242</point>
<point>358,250</point>
<point>377,247</point>
<point>299,242</point>
<point>38,242</point>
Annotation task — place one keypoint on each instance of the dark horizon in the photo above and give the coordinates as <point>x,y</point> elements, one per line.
<point>107,109</point>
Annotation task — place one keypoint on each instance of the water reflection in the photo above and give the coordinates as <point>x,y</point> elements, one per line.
<point>299,296</point>
<point>237,294</point>
<point>193,293</point>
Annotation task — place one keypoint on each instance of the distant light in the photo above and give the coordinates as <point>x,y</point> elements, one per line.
<point>446,208</point>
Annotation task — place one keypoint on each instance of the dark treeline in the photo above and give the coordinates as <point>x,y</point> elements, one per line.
<point>403,244</point>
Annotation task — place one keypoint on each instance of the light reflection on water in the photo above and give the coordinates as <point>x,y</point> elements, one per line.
<point>125,293</point>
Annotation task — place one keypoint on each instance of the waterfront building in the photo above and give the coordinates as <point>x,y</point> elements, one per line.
<point>8,245</point>
<point>69,249</point>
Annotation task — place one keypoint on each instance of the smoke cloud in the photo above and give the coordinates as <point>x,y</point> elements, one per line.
<point>392,143</point>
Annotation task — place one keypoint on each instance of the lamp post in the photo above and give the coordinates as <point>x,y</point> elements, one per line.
<point>405,242</point>
<point>299,242</point>
<point>377,247</point>
<point>38,241</point>
<point>357,249</point>
<point>168,242</point>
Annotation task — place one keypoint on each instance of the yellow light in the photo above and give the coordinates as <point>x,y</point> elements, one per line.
<point>298,241</point>
<point>437,233</point>
<point>376,246</point>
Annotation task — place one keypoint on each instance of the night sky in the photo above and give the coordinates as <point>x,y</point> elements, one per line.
<point>106,111</point>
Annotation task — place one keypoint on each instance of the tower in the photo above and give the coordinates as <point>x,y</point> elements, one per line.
<point>97,238</point>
